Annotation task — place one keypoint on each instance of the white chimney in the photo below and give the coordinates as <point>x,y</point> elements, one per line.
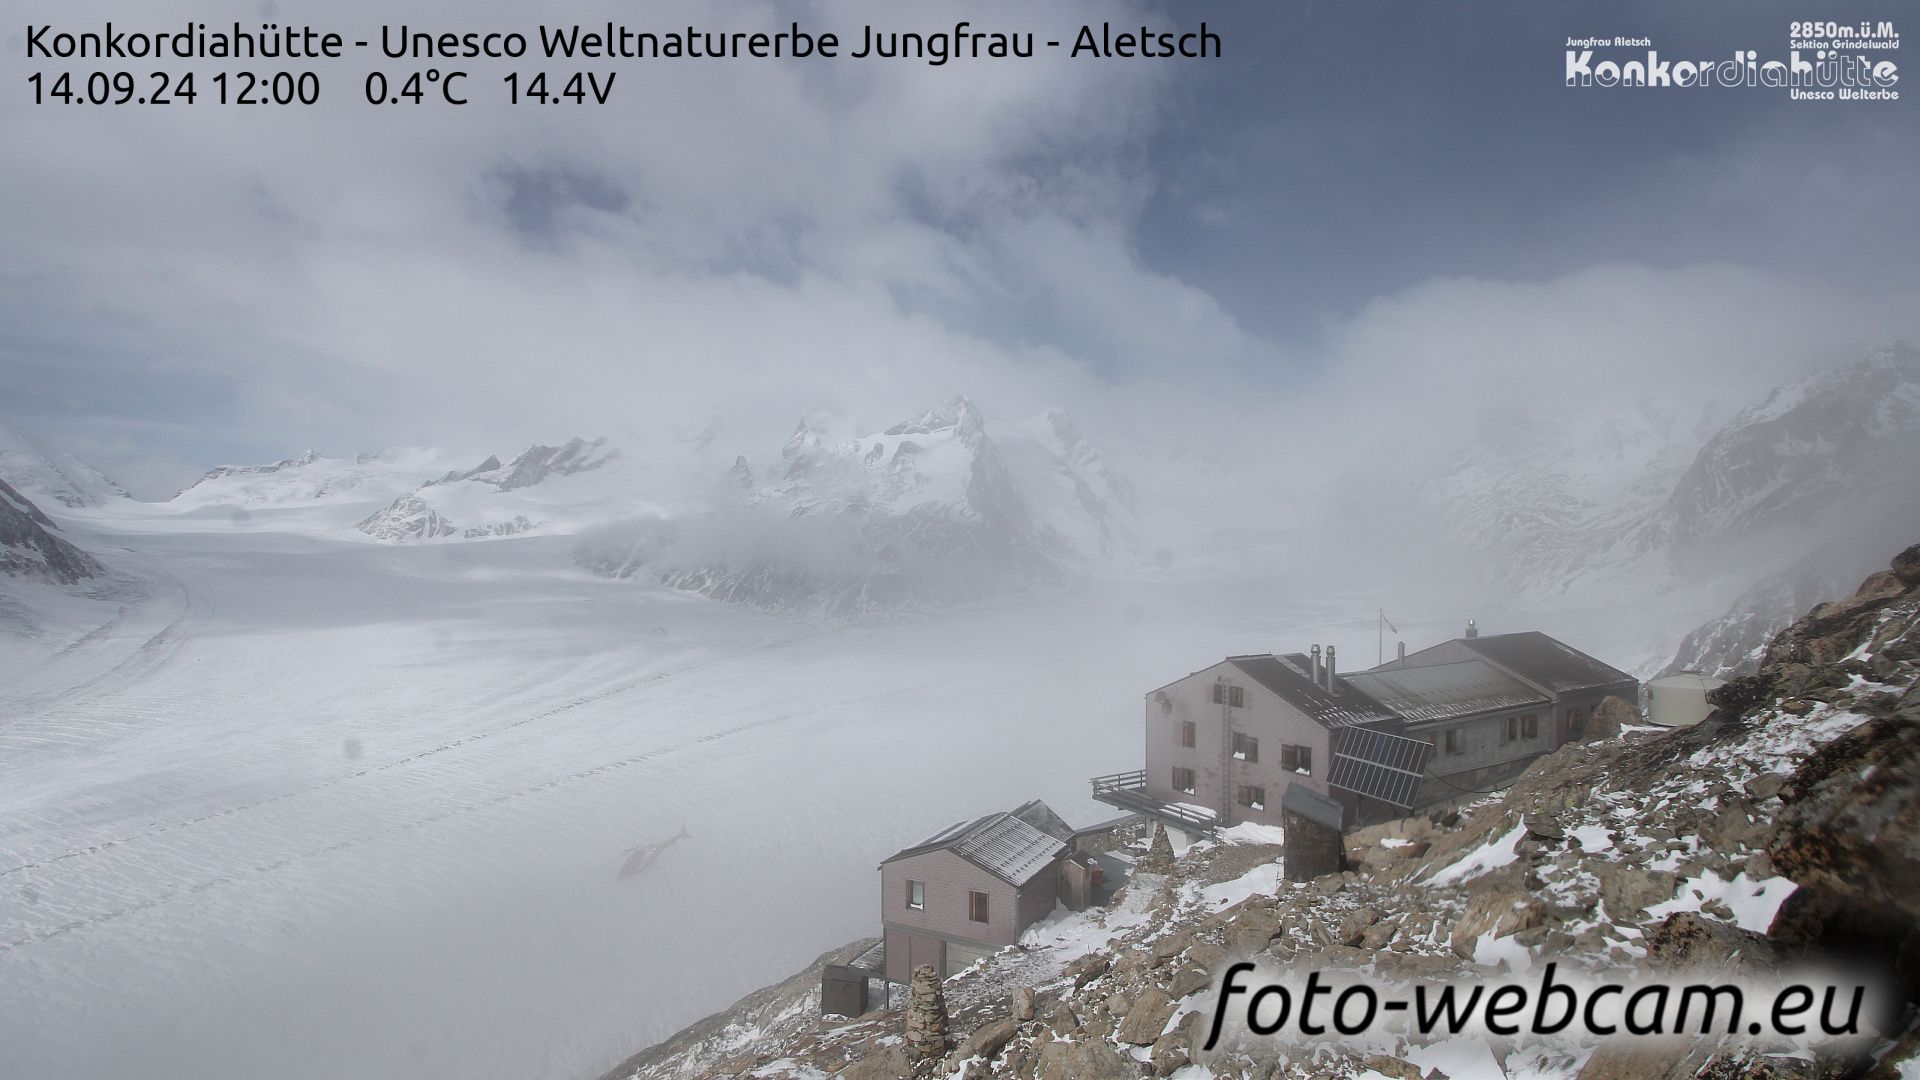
<point>1315,666</point>
<point>1330,669</point>
<point>1400,656</point>
<point>1472,630</point>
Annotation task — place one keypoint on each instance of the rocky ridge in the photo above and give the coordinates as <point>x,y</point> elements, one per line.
<point>29,548</point>
<point>1783,829</point>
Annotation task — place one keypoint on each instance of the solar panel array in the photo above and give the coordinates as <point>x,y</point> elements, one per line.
<point>1379,765</point>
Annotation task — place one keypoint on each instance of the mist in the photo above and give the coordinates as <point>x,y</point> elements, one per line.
<point>1348,360</point>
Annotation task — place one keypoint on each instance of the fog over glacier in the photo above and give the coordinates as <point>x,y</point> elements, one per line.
<point>415,516</point>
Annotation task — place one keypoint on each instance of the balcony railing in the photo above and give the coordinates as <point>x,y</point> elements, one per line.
<point>1128,791</point>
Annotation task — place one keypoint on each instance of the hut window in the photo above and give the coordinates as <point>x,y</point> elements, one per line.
<point>1187,733</point>
<point>1529,726</point>
<point>1453,740</point>
<point>1183,779</point>
<point>1246,747</point>
<point>917,895</point>
<point>977,906</point>
<point>1231,696</point>
<point>1297,758</point>
<point>1253,796</point>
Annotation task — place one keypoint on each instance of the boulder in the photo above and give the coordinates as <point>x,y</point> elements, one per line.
<point>986,1041</point>
<point>1086,969</point>
<point>1906,566</point>
<point>1172,945</point>
<point>1086,1060</point>
<point>1611,715</point>
<point>1353,928</point>
<point>1173,1050</point>
<point>1498,913</point>
<point>1687,940</point>
<point>1147,1018</point>
<point>1629,890</point>
<point>1396,1068</point>
<point>889,1064</point>
<point>1653,1058</point>
<point>1850,823</point>
<point>1188,979</point>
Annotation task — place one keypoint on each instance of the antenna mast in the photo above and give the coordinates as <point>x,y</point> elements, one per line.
<point>1380,635</point>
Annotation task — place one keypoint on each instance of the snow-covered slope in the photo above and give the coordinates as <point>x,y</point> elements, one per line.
<point>1566,505</point>
<point>473,504</point>
<point>52,475</point>
<point>930,512</point>
<point>312,479</point>
<point>29,548</point>
<point>1839,445</point>
<point>1554,501</point>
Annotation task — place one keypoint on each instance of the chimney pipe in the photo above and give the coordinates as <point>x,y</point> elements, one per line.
<point>1330,669</point>
<point>1314,668</point>
<point>1472,630</point>
<point>1400,656</point>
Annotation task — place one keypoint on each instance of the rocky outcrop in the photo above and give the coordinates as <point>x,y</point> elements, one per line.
<point>407,518</point>
<point>1850,822</point>
<point>712,1046</point>
<point>1608,719</point>
<point>29,548</point>
<point>536,463</point>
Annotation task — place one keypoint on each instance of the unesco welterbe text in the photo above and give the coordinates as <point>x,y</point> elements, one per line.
<point>959,42</point>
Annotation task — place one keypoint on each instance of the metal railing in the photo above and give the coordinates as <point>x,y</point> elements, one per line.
<point>1120,781</point>
<point>1128,791</point>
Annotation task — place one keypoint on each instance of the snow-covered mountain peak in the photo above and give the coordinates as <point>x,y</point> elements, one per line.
<point>536,463</point>
<point>928,512</point>
<point>54,475</point>
<point>956,416</point>
<point>941,457</point>
<point>312,478</point>
<point>543,487</point>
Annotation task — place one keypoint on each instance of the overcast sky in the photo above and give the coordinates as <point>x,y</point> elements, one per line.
<point>1360,203</point>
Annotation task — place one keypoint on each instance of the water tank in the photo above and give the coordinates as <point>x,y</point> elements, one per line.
<point>1680,700</point>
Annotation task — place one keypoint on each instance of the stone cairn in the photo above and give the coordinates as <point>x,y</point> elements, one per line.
<point>926,1015</point>
<point>1159,856</point>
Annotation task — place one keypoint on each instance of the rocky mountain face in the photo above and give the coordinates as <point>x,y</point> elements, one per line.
<point>29,548</point>
<point>1734,643</point>
<point>536,463</point>
<point>1782,831</point>
<point>1842,443</point>
<point>408,517</point>
<point>1666,492</point>
<point>931,512</point>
